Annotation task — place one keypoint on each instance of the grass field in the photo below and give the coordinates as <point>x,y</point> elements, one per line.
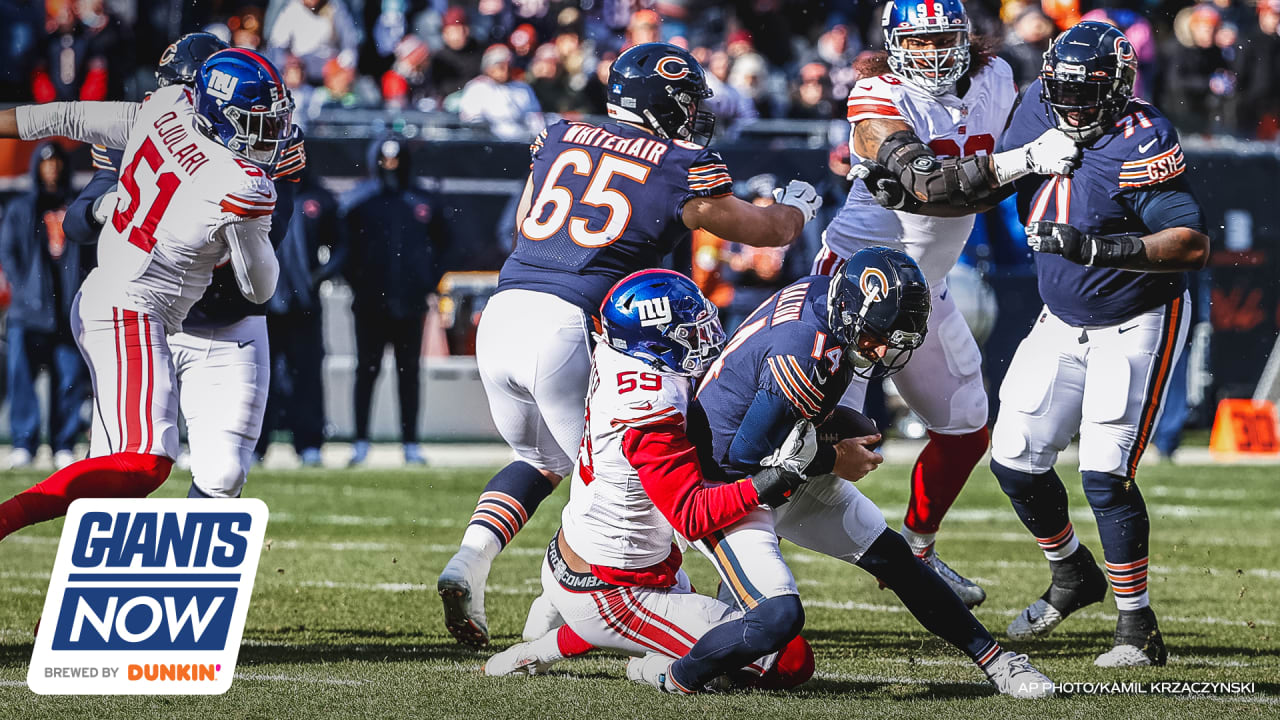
<point>345,621</point>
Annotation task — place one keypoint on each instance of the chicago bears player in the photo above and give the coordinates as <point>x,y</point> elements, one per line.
<point>612,571</point>
<point>927,123</point>
<point>221,358</point>
<point>1113,244</point>
<point>786,368</point>
<point>195,190</point>
<point>600,203</point>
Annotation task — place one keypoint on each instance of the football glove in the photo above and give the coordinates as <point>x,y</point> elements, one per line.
<point>1053,153</point>
<point>801,196</point>
<point>104,206</point>
<point>1084,248</point>
<point>774,485</point>
<point>884,186</point>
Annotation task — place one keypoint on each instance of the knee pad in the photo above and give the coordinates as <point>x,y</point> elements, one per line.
<point>1105,490</point>
<point>220,478</point>
<point>773,623</point>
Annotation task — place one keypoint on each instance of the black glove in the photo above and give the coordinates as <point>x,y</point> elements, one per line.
<point>774,485</point>
<point>1083,248</point>
<point>887,190</point>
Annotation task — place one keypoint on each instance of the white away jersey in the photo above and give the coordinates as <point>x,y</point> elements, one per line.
<point>951,126</point>
<point>610,520</point>
<point>157,252</point>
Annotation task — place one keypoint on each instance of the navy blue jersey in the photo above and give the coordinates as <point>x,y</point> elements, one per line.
<point>781,366</point>
<point>1138,154</point>
<point>607,202</point>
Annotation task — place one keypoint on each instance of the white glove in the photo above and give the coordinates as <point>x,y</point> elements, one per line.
<point>797,451</point>
<point>104,206</point>
<point>1053,153</point>
<point>801,196</point>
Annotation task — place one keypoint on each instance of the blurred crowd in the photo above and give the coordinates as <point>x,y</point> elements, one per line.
<point>1213,65</point>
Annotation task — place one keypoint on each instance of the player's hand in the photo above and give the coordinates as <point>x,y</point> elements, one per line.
<point>1083,248</point>
<point>801,196</point>
<point>797,451</point>
<point>855,458</point>
<point>104,206</point>
<point>1053,153</point>
<point>885,188</point>
<point>774,485</point>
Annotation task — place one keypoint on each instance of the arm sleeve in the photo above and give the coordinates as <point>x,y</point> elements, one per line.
<point>669,471</point>
<point>1164,206</point>
<point>101,123</point>
<point>765,426</point>
<point>79,224</point>
<point>252,258</point>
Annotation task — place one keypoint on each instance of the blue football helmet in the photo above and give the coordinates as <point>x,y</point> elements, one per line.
<point>1087,79</point>
<point>242,104</point>
<point>662,318</point>
<point>935,70</point>
<point>878,297</point>
<point>659,86</point>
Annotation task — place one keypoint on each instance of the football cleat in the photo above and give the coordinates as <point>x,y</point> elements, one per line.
<point>461,588</point>
<point>519,659</point>
<point>1138,642</point>
<point>654,670</point>
<point>1077,582</point>
<point>1013,675</point>
<point>543,618</point>
<point>969,592</point>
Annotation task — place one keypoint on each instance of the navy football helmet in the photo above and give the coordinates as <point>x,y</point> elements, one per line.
<point>242,104</point>
<point>1087,79</point>
<point>659,86</point>
<point>180,62</point>
<point>662,318</point>
<point>878,297</point>
<point>934,70</point>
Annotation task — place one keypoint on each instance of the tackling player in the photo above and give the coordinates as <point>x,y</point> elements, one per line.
<point>612,571</point>
<point>1113,244</point>
<point>195,192</point>
<point>221,357</point>
<point>600,203</point>
<point>929,119</point>
<point>788,365</point>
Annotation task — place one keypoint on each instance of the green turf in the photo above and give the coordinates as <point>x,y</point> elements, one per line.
<point>345,621</point>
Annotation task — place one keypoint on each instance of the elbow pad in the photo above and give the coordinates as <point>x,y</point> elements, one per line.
<point>930,179</point>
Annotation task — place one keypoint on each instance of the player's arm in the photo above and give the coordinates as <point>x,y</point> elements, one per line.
<point>100,123</point>
<point>776,225</point>
<point>91,209</point>
<point>252,258</point>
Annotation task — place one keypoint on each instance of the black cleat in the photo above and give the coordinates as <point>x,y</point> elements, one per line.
<point>1077,582</point>
<point>1138,641</point>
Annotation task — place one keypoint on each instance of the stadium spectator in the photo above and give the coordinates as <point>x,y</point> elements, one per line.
<point>645,26</point>
<point>551,84</point>
<point>811,97</point>
<point>1024,45</point>
<point>508,107</point>
<point>396,235</point>
<point>294,321</point>
<point>459,60</point>
<point>70,66</point>
<point>1200,80</point>
<point>110,41</point>
<point>749,77</point>
<point>315,31</point>
<point>523,42</point>
<point>342,88</point>
<point>732,108</point>
<point>246,28</point>
<point>597,85</point>
<point>1141,36</point>
<point>1260,75</point>
<point>45,271</point>
<point>408,83</point>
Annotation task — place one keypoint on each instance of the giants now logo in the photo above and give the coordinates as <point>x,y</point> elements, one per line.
<point>148,597</point>
<point>654,311</point>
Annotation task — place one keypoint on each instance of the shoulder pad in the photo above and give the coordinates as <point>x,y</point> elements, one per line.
<point>875,98</point>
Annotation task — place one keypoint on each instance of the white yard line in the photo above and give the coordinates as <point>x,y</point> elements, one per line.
<point>257,677</point>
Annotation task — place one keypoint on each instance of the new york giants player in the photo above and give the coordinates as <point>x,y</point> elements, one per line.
<point>929,120</point>
<point>600,203</point>
<point>221,358</point>
<point>786,368</point>
<point>612,571</point>
<point>195,190</point>
<point>1113,244</point>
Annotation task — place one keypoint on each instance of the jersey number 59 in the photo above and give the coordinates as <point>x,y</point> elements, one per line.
<point>598,194</point>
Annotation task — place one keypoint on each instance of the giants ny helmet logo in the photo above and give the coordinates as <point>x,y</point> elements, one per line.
<point>222,85</point>
<point>148,597</point>
<point>654,311</point>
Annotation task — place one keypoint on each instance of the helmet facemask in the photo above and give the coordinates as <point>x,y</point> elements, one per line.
<point>684,121</point>
<point>936,70</point>
<point>261,134</point>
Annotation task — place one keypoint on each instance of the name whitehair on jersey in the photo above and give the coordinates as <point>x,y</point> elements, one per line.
<point>650,151</point>
<point>172,133</point>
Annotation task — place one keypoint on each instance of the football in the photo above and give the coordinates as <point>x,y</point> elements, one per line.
<point>845,423</point>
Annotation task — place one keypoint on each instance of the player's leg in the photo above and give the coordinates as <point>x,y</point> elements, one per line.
<point>133,377</point>
<point>24,406</point>
<point>69,388</point>
<point>533,356</point>
<point>371,342</point>
<point>825,262</point>
<point>224,395</point>
<point>943,384</point>
<point>1128,376</point>
<point>1040,403</point>
<point>306,403</point>
<point>407,343</point>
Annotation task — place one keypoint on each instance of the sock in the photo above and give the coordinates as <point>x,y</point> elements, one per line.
<point>1125,528</point>
<point>987,657</point>
<point>1040,501</point>
<point>117,475</point>
<point>921,543</point>
<point>1060,545</point>
<point>506,504</point>
<point>762,630</point>
<point>547,647</point>
<point>926,595</point>
<point>570,644</point>
<point>939,475</point>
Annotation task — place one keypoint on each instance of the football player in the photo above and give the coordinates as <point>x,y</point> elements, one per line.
<point>1113,245</point>
<point>927,119</point>
<point>612,572</point>
<point>195,191</point>
<point>601,202</point>
<point>788,366</point>
<point>221,358</point>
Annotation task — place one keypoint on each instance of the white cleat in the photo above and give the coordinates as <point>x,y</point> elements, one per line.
<point>653,670</point>
<point>519,659</point>
<point>1035,621</point>
<point>461,587</point>
<point>969,592</point>
<point>543,618</point>
<point>20,458</point>
<point>1013,675</point>
<point>1123,656</point>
